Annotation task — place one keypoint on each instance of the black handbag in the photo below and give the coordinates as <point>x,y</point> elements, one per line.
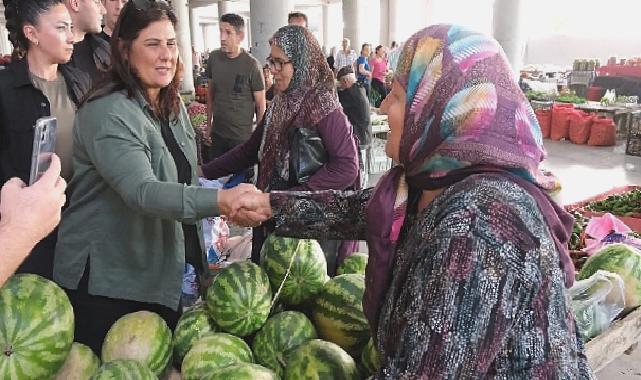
<point>307,154</point>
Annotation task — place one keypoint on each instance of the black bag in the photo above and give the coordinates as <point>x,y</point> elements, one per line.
<point>307,154</point>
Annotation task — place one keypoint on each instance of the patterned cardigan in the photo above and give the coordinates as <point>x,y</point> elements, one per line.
<point>477,289</point>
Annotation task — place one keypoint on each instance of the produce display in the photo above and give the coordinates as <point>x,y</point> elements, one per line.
<point>36,328</point>
<point>625,204</point>
<point>281,333</point>
<point>338,313</point>
<point>576,240</point>
<point>317,359</point>
<point>124,370</point>
<point>81,364</point>
<point>192,326</point>
<point>141,336</point>
<point>622,260</point>
<point>354,264</point>
<point>370,358</point>
<point>239,299</point>
<point>243,371</point>
<point>300,263</point>
<point>214,351</point>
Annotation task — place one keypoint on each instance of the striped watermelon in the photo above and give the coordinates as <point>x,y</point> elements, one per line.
<point>355,263</point>
<point>338,313</point>
<point>36,328</point>
<point>214,350</point>
<point>370,358</point>
<point>244,371</point>
<point>320,360</point>
<point>281,333</point>
<point>239,298</point>
<point>308,271</point>
<point>124,370</point>
<point>81,363</point>
<point>142,336</point>
<point>192,325</point>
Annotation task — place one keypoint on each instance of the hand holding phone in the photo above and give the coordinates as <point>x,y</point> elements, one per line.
<point>44,145</point>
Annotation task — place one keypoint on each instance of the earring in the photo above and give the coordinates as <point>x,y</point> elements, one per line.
<point>37,43</point>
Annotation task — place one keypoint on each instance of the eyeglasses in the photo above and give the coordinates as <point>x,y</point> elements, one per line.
<point>276,64</point>
<point>145,5</point>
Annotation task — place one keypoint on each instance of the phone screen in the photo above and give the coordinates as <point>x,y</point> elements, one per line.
<point>44,145</point>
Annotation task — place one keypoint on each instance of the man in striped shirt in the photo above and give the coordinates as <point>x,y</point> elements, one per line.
<point>345,57</point>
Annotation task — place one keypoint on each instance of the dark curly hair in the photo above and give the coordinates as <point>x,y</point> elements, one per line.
<point>21,12</point>
<point>122,75</point>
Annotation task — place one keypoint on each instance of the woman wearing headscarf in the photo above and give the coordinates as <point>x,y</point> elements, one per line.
<point>468,264</point>
<point>305,97</point>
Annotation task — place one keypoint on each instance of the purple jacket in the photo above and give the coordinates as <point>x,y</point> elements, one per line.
<point>339,173</point>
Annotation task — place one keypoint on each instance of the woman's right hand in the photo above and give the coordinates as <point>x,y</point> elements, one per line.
<point>251,209</point>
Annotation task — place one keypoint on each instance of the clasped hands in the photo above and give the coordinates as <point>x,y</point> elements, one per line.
<point>244,205</point>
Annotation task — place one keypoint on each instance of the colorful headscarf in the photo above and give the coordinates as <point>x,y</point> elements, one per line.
<point>310,97</point>
<point>465,114</point>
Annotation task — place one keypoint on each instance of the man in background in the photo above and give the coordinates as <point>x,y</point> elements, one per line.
<point>91,53</point>
<point>112,8</point>
<point>236,89</point>
<point>297,18</point>
<point>345,57</point>
<point>356,107</point>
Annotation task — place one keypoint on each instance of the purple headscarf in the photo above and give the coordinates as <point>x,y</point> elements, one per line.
<point>465,114</point>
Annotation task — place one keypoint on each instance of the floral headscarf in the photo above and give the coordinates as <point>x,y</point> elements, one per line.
<point>310,97</point>
<point>465,114</point>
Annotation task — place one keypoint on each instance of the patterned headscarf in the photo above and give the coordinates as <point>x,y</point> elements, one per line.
<point>310,97</point>
<point>465,114</point>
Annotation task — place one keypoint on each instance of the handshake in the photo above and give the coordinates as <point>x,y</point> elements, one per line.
<point>244,205</point>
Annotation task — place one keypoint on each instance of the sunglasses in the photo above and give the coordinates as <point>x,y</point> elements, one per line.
<point>145,5</point>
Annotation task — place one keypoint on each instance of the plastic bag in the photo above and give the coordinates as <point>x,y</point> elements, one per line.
<point>596,302</point>
<point>608,229</point>
<point>580,125</point>
<point>602,133</point>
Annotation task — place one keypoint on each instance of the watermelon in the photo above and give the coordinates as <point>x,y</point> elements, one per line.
<point>370,358</point>
<point>81,363</point>
<point>239,299</point>
<point>338,313</point>
<point>142,336</point>
<point>214,350</point>
<point>124,370</point>
<point>308,272</point>
<point>281,333</point>
<point>36,328</point>
<point>355,263</point>
<point>623,260</point>
<point>320,360</point>
<point>244,371</point>
<point>192,325</point>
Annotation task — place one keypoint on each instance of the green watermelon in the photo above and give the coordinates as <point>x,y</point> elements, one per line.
<point>239,298</point>
<point>338,313</point>
<point>354,264</point>
<point>320,360</point>
<point>370,358</point>
<point>623,260</point>
<point>124,370</point>
<point>81,363</point>
<point>281,333</point>
<point>244,371</point>
<point>36,328</point>
<point>142,336</point>
<point>214,350</point>
<point>308,271</point>
<point>192,325</point>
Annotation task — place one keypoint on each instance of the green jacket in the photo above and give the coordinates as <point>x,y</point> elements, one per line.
<point>126,204</point>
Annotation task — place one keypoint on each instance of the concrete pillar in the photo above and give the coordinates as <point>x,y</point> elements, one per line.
<point>326,27</point>
<point>224,7</point>
<point>181,10</point>
<point>266,18</point>
<point>508,31</point>
<point>193,27</point>
<point>351,22</point>
<point>384,37</point>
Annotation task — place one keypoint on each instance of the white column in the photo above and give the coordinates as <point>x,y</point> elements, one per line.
<point>193,27</point>
<point>326,27</point>
<point>266,18</point>
<point>184,44</point>
<point>384,37</point>
<point>224,7</point>
<point>351,22</point>
<point>508,31</point>
<point>392,22</point>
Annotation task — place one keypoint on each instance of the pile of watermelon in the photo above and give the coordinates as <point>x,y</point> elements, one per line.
<point>284,319</point>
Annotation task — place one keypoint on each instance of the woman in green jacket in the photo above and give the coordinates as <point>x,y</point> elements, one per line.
<point>135,202</point>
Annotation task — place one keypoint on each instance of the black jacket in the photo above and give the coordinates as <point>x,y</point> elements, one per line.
<point>21,104</point>
<point>93,56</point>
<point>356,107</point>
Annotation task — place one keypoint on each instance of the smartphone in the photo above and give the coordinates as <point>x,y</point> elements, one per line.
<point>44,145</point>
